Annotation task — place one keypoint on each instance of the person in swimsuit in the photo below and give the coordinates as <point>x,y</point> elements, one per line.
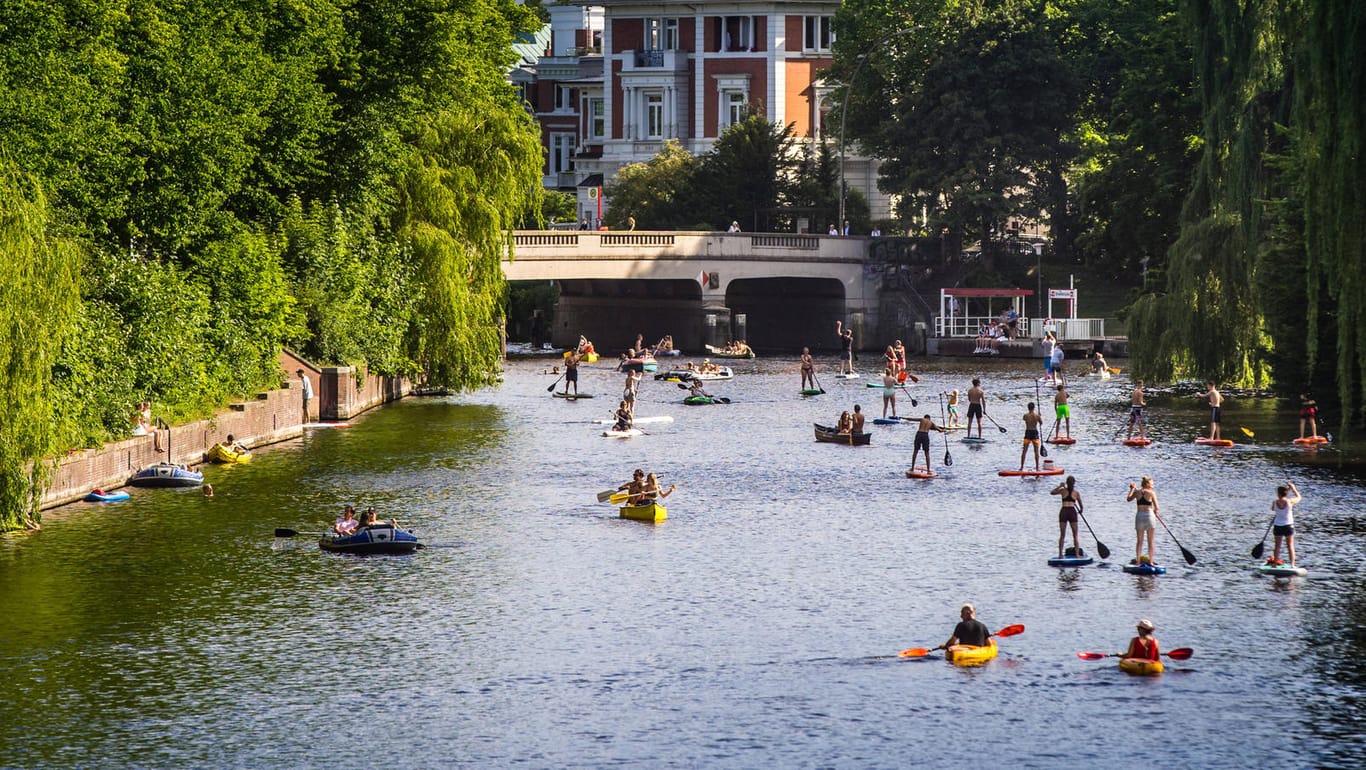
<point>1308,415</point>
<point>846,336</point>
<point>652,493</point>
<point>1136,406</point>
<point>1216,401</point>
<point>571,372</point>
<point>977,406</point>
<point>347,524</point>
<point>635,488</point>
<point>808,370</point>
<point>900,351</point>
<point>922,439</point>
<point>628,393</point>
<point>969,631</point>
<point>953,408</point>
<point>1032,421</point>
<point>856,420</point>
<point>1071,506</point>
<point>695,389</point>
<point>845,426</point>
<point>1145,519</point>
<point>1064,412</point>
<point>1144,646</point>
<point>624,417</point>
<point>1284,525</point>
<point>889,384</point>
<point>889,358</point>
<point>1098,365</point>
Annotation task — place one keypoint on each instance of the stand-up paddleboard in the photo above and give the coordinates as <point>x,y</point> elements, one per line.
<point>812,392</point>
<point>572,396</point>
<point>630,433</point>
<point>1145,569</point>
<point>1310,441</point>
<point>921,472</point>
<point>1063,440</point>
<point>1040,472</point>
<point>326,425</point>
<point>1281,570</point>
<point>889,421</point>
<point>954,427</point>
<point>974,440</point>
<point>1214,442</point>
<point>848,376</point>
<point>639,420</point>
<point>1071,560</point>
<point>1137,441</point>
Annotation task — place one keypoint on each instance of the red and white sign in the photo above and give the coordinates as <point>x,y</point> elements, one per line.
<point>1062,294</point>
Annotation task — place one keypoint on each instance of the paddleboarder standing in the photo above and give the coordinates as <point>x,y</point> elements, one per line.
<point>1145,518</point>
<point>922,440</point>
<point>977,405</point>
<point>1136,407</point>
<point>571,372</point>
<point>1216,401</point>
<point>889,385</point>
<point>1308,415</point>
<point>1064,412</point>
<point>1284,526</point>
<point>1067,514</point>
<point>808,369</point>
<point>846,335</point>
<point>1032,421</point>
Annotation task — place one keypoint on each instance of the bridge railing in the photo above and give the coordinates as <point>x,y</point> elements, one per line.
<point>636,244</point>
<point>1062,328</point>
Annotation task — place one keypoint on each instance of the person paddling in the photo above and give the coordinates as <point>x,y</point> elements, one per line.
<point>1216,402</point>
<point>1144,646</point>
<point>635,488</point>
<point>1032,421</point>
<point>977,406</point>
<point>1309,409</point>
<point>808,370</point>
<point>1145,518</point>
<point>652,493</point>
<point>889,386</point>
<point>922,439</point>
<point>1064,412</point>
<point>969,631</point>
<point>625,417</point>
<point>1071,506</point>
<point>1284,526</point>
<point>571,372</point>
<point>953,409</point>
<point>1136,407</point>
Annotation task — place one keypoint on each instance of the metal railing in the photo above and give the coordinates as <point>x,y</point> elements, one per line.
<point>1062,328</point>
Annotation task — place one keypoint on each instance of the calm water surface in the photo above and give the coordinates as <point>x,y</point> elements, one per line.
<point>757,627</point>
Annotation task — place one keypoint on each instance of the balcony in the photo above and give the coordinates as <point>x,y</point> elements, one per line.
<point>656,61</point>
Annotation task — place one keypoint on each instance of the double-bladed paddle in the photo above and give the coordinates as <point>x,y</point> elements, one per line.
<point>1180,653</point>
<point>920,652</point>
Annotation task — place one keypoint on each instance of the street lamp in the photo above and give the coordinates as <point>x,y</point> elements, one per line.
<point>844,111</point>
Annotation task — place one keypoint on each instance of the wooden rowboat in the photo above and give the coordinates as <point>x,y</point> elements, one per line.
<point>831,436</point>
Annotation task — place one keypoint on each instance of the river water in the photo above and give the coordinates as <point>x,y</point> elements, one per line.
<point>757,627</point>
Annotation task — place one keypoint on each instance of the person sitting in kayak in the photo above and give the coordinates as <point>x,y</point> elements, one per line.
<point>969,631</point>
<point>695,389</point>
<point>624,416</point>
<point>635,488</point>
<point>347,524</point>
<point>652,493</point>
<point>1098,365</point>
<point>1144,646</point>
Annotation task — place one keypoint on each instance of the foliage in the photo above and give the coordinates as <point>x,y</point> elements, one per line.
<point>654,192</point>
<point>38,301</point>
<point>745,176</point>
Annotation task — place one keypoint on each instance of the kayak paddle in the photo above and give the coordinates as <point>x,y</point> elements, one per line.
<point>920,652</point>
<point>1187,555</point>
<point>605,495</point>
<point>1259,548</point>
<point>1180,653</point>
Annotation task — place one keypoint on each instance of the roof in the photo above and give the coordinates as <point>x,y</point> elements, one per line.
<point>988,292</point>
<point>592,180</point>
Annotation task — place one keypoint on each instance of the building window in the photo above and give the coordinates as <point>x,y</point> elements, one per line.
<point>561,153</point>
<point>654,116</point>
<point>734,108</point>
<point>597,119</point>
<point>817,35</point>
<point>564,98</point>
<point>736,33</point>
<point>661,34</point>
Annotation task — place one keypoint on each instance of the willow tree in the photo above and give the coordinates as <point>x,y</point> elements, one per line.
<point>1207,321</point>
<point>1331,116</point>
<point>39,292</point>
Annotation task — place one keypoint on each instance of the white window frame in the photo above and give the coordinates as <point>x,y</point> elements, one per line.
<point>564,98</point>
<point>653,114</point>
<point>661,33</point>
<point>596,111</point>
<point>818,33</point>
<point>734,108</point>
<point>561,160</point>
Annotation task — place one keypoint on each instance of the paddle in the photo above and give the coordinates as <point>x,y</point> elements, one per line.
<point>1043,447</point>
<point>1180,653</point>
<point>948,458</point>
<point>282,532</point>
<point>1113,369</point>
<point>818,382</point>
<point>903,375</point>
<point>551,389</point>
<point>605,495</point>
<point>908,395</point>
<point>621,497</point>
<point>1100,547</point>
<point>920,652</point>
<point>1187,555</point>
<point>992,420</point>
<point>1260,548</point>
<point>1246,432</point>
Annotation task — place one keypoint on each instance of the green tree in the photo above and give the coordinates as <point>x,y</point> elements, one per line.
<point>654,192</point>
<point>38,301</point>
<point>746,176</point>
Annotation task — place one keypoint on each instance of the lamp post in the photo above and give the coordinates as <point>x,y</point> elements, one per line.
<point>844,110</point>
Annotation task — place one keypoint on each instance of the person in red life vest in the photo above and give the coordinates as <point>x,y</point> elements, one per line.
<point>1143,646</point>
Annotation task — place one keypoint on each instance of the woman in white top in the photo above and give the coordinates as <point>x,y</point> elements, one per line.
<point>1284,525</point>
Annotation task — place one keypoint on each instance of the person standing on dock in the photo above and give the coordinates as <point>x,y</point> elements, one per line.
<point>977,406</point>
<point>1216,403</point>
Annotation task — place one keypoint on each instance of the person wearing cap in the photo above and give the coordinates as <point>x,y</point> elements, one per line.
<point>969,631</point>
<point>1143,646</point>
<point>734,227</point>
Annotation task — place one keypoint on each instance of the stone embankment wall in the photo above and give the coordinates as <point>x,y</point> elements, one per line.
<point>272,416</point>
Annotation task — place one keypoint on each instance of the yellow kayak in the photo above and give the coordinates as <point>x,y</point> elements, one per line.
<point>222,454</point>
<point>970,655</point>
<point>1140,666</point>
<point>651,512</point>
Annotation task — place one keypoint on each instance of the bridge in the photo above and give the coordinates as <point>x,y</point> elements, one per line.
<point>779,291</point>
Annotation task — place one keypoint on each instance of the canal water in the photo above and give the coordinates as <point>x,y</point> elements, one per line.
<point>757,627</point>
